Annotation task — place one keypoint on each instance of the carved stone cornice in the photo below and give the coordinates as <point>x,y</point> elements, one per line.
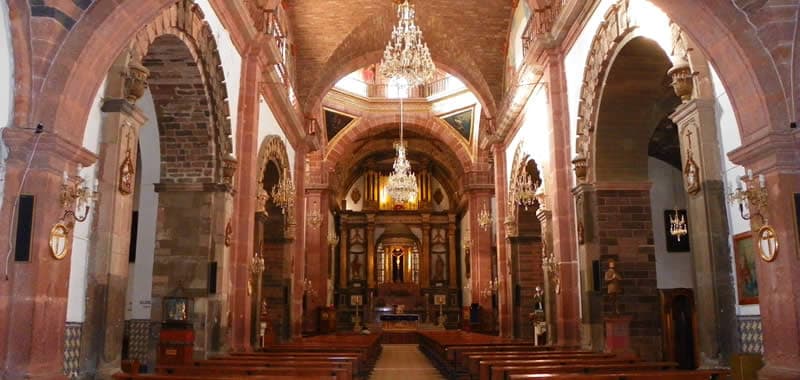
<point>52,150</point>
<point>771,152</point>
<point>191,188</point>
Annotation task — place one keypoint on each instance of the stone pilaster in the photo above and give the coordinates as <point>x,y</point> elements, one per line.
<point>239,310</point>
<point>33,298</point>
<point>451,252</point>
<point>107,277</point>
<point>317,252</point>
<point>708,231</point>
<point>775,156</point>
<point>425,272</point>
<point>551,279</point>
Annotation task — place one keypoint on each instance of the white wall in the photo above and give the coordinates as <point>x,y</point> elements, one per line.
<point>231,62</point>
<point>268,125</point>
<point>6,87</point>
<point>534,132</point>
<point>730,139</point>
<point>82,234</point>
<point>518,23</point>
<point>140,272</point>
<point>673,269</point>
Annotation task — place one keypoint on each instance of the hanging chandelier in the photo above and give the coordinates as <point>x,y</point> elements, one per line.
<point>677,224</point>
<point>402,186</point>
<point>283,192</point>
<point>407,56</point>
<point>525,191</point>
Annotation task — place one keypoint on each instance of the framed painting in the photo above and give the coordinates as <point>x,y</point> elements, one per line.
<point>461,121</point>
<point>676,243</point>
<point>744,257</point>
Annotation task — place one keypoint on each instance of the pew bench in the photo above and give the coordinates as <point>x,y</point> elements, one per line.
<point>482,369</point>
<point>503,372</point>
<point>712,374</point>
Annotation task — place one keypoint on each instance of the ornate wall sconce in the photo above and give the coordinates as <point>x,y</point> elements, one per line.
<point>333,238</point>
<point>550,266</point>
<point>491,288</point>
<point>74,197</point>
<point>314,217</point>
<point>753,196</point>
<point>308,288</point>
<point>283,193</point>
<point>257,267</point>
<point>484,217</point>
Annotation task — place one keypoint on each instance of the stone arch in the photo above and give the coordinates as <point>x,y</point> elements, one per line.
<point>428,126</point>
<point>619,28</point>
<point>180,34</point>
<point>522,165</point>
<point>364,46</point>
<point>272,149</point>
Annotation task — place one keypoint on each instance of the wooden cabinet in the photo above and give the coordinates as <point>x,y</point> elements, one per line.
<point>175,345</point>
<point>327,320</point>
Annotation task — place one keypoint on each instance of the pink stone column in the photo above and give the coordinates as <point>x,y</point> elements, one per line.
<point>317,254</point>
<point>298,246</point>
<point>775,156</point>
<point>564,235</point>
<point>504,291</point>
<point>244,205</point>
<point>481,251</point>
<point>33,299</point>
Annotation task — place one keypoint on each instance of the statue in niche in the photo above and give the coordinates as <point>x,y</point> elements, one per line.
<point>614,288</point>
<point>438,272</point>
<point>355,268</point>
<point>397,265</point>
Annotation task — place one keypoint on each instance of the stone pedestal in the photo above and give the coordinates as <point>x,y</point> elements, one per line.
<point>618,335</point>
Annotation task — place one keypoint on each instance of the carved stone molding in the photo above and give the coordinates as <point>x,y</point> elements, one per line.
<point>617,28</point>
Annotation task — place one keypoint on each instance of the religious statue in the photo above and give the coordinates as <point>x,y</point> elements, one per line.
<point>355,268</point>
<point>397,265</point>
<point>538,300</point>
<point>612,280</point>
<point>439,269</point>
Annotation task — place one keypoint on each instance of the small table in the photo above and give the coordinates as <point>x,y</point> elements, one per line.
<point>399,321</point>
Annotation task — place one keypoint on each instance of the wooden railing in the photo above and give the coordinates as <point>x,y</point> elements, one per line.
<point>541,22</point>
<point>433,88</point>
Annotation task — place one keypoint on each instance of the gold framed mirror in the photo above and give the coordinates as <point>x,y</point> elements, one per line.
<point>767,241</point>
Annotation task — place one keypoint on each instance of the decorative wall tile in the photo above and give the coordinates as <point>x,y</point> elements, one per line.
<point>139,340</point>
<point>72,349</point>
<point>750,336</point>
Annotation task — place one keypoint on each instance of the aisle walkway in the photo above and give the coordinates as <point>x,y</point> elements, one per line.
<point>404,362</point>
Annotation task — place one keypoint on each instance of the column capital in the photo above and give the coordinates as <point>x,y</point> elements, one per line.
<point>684,112</point>
<point>772,152</point>
<point>52,150</point>
<point>124,107</point>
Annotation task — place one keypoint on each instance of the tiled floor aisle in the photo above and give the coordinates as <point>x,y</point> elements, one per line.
<point>404,362</point>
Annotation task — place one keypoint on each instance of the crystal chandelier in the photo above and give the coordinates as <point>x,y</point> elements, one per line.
<point>525,191</point>
<point>406,56</point>
<point>402,186</point>
<point>677,224</point>
<point>283,192</point>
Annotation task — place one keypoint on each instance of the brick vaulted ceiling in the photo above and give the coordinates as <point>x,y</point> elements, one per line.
<point>335,37</point>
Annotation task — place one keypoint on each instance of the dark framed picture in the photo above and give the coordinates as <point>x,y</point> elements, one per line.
<point>676,243</point>
<point>744,257</point>
<point>461,121</point>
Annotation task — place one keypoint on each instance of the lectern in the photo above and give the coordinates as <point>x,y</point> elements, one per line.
<point>176,339</point>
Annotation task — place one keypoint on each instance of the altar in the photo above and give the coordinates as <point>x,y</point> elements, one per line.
<point>399,322</point>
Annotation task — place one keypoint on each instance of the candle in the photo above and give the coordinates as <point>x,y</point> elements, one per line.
<point>66,177</point>
<point>762,181</point>
<point>96,185</point>
<point>738,183</point>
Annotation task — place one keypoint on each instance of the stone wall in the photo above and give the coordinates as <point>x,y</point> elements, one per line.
<point>526,258</point>
<point>625,234</point>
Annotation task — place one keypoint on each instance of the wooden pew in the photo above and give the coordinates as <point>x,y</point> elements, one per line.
<point>481,369</point>
<point>503,372</point>
<point>296,368</point>
<point>283,376</point>
<point>360,367</point>
<point>471,362</point>
<point>712,374</point>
